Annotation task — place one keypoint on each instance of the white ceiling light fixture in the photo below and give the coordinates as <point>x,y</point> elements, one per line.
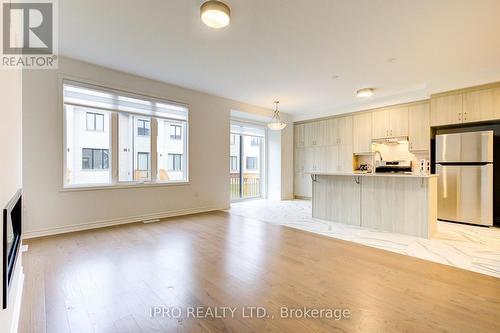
<point>365,92</point>
<point>215,14</point>
<point>276,124</point>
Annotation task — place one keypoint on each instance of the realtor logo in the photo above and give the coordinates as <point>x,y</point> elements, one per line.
<point>29,38</point>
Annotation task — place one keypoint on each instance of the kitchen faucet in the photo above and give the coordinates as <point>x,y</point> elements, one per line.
<point>379,154</point>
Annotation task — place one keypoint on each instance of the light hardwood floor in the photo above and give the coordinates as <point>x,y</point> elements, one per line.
<point>107,280</point>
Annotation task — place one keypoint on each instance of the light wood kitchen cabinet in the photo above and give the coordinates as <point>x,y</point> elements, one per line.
<point>337,199</point>
<point>310,134</point>
<point>398,121</point>
<point>446,110</point>
<point>299,159</point>
<point>344,130</point>
<point>390,122</point>
<point>380,123</point>
<point>302,186</point>
<point>362,133</point>
<point>419,127</point>
<point>478,106</point>
<point>299,135</point>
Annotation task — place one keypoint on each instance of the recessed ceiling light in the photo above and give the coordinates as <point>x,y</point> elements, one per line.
<point>391,59</point>
<point>334,76</point>
<point>365,92</point>
<point>215,14</point>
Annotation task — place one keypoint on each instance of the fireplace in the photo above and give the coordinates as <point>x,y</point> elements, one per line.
<point>12,220</point>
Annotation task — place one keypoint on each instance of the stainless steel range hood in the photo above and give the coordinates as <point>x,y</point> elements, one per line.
<point>391,141</point>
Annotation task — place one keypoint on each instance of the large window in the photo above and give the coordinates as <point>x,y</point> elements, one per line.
<point>95,159</point>
<point>97,120</point>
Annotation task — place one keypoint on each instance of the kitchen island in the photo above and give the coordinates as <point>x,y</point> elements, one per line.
<point>393,202</point>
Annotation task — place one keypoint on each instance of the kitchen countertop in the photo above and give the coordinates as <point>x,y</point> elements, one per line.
<point>369,174</point>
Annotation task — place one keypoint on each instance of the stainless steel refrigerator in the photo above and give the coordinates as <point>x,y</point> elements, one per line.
<point>464,162</point>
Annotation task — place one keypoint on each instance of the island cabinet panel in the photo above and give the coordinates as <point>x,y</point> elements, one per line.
<point>397,204</point>
<point>393,203</point>
<point>337,199</point>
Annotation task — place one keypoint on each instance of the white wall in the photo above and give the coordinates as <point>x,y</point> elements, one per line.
<point>10,176</point>
<point>49,210</point>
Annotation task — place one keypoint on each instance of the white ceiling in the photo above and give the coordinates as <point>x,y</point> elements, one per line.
<point>290,49</point>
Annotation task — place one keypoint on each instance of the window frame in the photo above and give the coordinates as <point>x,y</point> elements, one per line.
<point>147,131</point>
<point>231,159</point>
<point>255,159</point>
<point>175,136</point>
<point>92,159</point>
<point>94,116</point>
<point>113,150</point>
<point>174,155</point>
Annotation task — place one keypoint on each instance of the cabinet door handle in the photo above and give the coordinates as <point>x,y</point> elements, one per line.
<point>465,115</point>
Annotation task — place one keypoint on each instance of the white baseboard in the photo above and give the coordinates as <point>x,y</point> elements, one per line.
<point>111,222</point>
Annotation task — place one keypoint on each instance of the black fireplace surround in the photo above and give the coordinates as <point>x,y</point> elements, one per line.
<point>12,226</point>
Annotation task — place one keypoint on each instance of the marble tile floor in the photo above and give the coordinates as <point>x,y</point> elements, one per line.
<point>468,247</point>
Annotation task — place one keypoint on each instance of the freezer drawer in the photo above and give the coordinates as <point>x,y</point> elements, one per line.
<point>464,147</point>
<point>465,193</point>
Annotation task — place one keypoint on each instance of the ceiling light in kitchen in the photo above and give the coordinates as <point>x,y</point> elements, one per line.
<point>365,92</point>
<point>215,14</point>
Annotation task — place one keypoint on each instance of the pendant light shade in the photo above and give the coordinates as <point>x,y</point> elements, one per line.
<point>276,124</point>
<point>215,14</point>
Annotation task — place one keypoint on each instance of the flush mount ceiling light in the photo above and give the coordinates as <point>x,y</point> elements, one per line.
<point>276,124</point>
<point>215,14</point>
<point>365,92</point>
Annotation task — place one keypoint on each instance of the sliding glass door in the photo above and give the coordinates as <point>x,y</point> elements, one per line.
<point>246,164</point>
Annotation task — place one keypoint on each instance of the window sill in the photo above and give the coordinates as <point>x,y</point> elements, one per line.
<point>122,186</point>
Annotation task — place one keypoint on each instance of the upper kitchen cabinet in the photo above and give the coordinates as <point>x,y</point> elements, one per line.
<point>446,110</point>
<point>419,127</point>
<point>390,122</point>
<point>480,105</point>
<point>362,133</point>
<point>299,135</point>
<point>467,106</point>
<point>315,133</point>
<point>344,130</point>
<point>380,124</point>
<point>398,118</point>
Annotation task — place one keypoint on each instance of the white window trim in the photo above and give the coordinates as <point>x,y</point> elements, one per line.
<point>113,156</point>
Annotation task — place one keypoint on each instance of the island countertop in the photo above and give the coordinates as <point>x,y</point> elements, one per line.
<point>380,174</point>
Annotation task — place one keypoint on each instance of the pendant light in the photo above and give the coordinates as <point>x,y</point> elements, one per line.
<point>276,124</point>
<point>215,14</point>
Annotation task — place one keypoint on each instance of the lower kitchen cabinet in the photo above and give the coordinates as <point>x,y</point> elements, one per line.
<point>302,185</point>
